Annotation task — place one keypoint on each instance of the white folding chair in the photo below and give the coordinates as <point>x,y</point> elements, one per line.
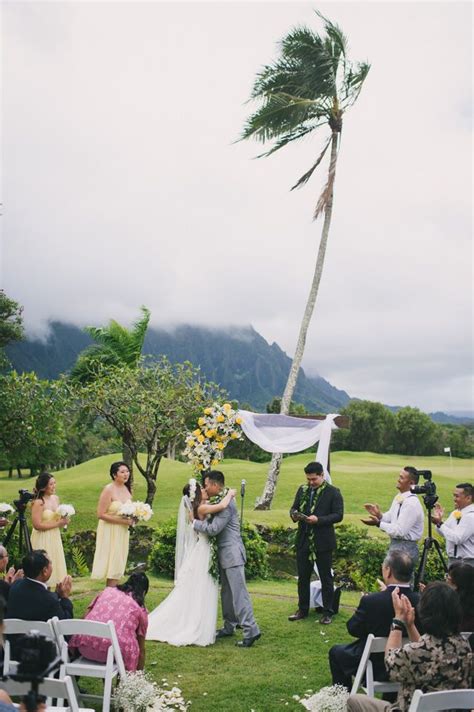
<point>50,688</point>
<point>466,634</point>
<point>17,626</point>
<point>373,645</point>
<point>81,667</point>
<point>445,700</point>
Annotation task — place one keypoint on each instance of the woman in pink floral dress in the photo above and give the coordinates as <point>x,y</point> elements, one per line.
<point>125,606</point>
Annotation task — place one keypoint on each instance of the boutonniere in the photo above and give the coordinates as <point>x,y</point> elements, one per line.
<point>399,499</point>
<point>457,515</point>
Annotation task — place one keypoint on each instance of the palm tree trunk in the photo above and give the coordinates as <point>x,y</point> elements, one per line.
<point>265,500</point>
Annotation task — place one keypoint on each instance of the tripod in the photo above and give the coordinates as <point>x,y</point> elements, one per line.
<point>24,541</point>
<point>429,543</point>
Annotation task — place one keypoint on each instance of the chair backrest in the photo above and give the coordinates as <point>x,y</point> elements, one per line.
<point>466,634</point>
<point>50,687</point>
<point>17,626</point>
<point>95,629</point>
<point>372,645</point>
<point>443,700</point>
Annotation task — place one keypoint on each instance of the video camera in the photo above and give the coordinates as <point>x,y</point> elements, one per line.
<point>23,500</point>
<point>428,489</point>
<point>37,658</point>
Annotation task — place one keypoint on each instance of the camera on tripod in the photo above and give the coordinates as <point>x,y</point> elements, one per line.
<point>23,500</point>
<point>37,658</point>
<point>429,487</point>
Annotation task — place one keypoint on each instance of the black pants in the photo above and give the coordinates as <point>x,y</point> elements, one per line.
<point>305,569</point>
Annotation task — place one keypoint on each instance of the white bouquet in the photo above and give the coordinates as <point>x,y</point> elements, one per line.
<point>5,509</point>
<point>137,511</point>
<point>328,699</point>
<point>66,510</point>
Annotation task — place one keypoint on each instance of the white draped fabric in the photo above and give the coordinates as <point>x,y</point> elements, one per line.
<point>284,433</point>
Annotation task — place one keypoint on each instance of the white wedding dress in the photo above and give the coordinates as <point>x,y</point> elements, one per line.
<point>188,615</point>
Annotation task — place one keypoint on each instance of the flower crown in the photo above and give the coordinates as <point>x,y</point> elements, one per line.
<point>192,489</point>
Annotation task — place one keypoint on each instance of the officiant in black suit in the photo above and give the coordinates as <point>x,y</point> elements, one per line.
<point>317,507</point>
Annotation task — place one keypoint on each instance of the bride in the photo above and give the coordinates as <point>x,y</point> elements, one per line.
<point>188,615</point>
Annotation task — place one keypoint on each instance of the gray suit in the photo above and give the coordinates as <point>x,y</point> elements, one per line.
<point>236,603</point>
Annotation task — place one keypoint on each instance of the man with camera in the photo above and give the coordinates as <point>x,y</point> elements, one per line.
<point>403,522</point>
<point>458,530</point>
<point>317,507</point>
<point>30,599</point>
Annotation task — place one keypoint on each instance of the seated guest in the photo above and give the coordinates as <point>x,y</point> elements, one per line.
<point>29,598</point>
<point>373,615</point>
<point>438,660</point>
<point>125,606</point>
<point>9,576</point>
<point>5,701</point>
<point>461,578</point>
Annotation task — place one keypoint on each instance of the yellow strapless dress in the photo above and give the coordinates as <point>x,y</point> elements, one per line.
<point>50,541</point>
<point>111,548</point>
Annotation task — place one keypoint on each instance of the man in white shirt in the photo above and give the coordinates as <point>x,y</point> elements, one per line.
<point>458,529</point>
<point>404,520</point>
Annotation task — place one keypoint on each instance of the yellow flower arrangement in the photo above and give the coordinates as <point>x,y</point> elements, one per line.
<point>457,514</point>
<point>217,427</point>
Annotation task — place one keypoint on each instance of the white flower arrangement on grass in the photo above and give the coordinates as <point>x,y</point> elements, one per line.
<point>5,508</point>
<point>205,445</point>
<point>138,511</point>
<point>328,699</point>
<point>137,693</point>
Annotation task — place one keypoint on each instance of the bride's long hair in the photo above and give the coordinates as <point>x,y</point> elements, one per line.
<point>197,496</point>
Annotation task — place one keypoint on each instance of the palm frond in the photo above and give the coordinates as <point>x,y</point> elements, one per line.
<point>305,178</point>
<point>301,132</point>
<point>282,113</point>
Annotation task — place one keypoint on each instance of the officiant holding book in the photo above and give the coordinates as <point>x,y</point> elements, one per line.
<point>317,507</point>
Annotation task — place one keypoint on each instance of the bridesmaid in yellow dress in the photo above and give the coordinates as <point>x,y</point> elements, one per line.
<point>47,525</point>
<point>111,548</point>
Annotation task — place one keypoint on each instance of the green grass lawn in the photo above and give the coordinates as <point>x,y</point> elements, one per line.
<point>361,476</point>
<point>289,659</point>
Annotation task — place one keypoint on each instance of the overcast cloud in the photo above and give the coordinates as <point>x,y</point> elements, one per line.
<point>122,185</point>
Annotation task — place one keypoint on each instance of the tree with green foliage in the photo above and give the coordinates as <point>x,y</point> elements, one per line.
<point>148,406</point>
<point>32,432</point>
<point>311,85</point>
<point>11,324</point>
<point>295,408</point>
<point>372,426</point>
<point>415,433</point>
<point>115,346</point>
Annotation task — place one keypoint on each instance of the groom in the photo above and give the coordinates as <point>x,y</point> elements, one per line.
<point>236,604</point>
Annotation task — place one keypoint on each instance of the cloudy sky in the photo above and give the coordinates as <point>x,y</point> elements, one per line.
<point>123,184</point>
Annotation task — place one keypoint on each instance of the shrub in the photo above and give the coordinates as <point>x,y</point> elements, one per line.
<point>162,554</point>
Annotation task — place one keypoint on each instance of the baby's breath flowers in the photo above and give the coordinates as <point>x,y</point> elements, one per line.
<point>328,699</point>
<point>137,693</point>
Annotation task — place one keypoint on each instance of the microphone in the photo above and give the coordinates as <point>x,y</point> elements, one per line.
<point>242,488</point>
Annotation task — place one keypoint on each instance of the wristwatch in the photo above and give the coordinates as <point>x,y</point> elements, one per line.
<point>397,624</point>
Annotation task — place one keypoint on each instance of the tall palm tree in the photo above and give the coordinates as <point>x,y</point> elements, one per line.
<point>115,346</point>
<point>311,85</point>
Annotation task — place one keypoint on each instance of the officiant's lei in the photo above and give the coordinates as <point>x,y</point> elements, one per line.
<point>214,559</point>
<point>302,507</point>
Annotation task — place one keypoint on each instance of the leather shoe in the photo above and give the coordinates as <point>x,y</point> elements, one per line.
<point>325,620</point>
<point>298,616</point>
<point>223,633</point>
<point>248,642</point>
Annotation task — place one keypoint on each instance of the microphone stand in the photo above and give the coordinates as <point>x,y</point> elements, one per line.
<point>242,496</point>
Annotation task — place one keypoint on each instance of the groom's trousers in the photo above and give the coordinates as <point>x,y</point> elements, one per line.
<point>236,604</point>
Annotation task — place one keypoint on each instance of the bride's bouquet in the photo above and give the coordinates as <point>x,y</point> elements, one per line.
<point>66,510</point>
<point>136,511</point>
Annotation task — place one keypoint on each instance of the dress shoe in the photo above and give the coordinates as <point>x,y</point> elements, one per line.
<point>248,642</point>
<point>298,616</point>
<point>325,620</point>
<point>223,633</point>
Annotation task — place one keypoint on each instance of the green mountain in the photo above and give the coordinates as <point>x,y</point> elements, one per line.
<point>239,359</point>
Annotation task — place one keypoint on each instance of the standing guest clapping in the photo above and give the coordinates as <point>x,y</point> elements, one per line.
<point>111,549</point>
<point>458,529</point>
<point>47,525</point>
